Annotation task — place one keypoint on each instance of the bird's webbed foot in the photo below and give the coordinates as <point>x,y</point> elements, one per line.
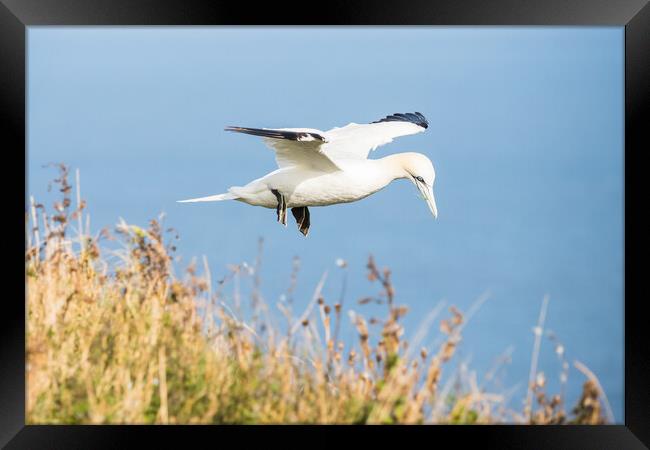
<point>281,209</point>
<point>301,215</point>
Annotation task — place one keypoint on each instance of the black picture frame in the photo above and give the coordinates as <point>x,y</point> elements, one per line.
<point>634,15</point>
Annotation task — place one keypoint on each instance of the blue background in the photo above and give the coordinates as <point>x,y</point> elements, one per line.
<point>526,135</point>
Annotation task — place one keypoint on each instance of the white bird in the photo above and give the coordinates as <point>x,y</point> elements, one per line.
<point>319,168</point>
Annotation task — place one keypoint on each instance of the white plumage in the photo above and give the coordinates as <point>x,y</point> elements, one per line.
<point>319,168</point>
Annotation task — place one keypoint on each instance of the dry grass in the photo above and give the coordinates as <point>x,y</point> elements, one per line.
<point>130,342</point>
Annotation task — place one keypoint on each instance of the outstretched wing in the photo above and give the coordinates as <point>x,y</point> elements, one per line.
<point>294,146</point>
<point>356,141</point>
<point>314,148</point>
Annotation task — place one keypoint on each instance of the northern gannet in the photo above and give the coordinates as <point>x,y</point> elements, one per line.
<point>319,168</point>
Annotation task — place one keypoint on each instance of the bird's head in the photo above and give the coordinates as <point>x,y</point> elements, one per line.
<point>419,169</point>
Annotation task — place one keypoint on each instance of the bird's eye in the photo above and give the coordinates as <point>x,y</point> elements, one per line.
<point>420,179</point>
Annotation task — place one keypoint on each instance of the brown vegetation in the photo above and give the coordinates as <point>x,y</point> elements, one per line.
<point>130,342</point>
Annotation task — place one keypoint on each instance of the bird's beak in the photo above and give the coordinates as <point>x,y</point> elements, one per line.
<point>427,193</point>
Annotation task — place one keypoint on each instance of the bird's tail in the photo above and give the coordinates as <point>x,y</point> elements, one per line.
<point>211,198</point>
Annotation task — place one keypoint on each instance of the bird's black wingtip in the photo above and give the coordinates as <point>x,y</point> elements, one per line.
<point>278,134</point>
<point>417,118</point>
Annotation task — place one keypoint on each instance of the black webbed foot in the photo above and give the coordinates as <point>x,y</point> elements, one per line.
<point>281,209</point>
<point>301,215</point>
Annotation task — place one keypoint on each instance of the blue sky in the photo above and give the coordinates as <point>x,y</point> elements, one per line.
<point>526,135</point>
